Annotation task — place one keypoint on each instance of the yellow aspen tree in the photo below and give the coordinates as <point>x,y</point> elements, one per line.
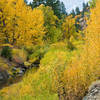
<point>21,24</point>
<point>53,33</point>
<point>30,22</point>
<point>3,17</point>
<point>69,29</point>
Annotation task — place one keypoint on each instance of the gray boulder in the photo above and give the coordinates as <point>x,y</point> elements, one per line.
<point>94,92</point>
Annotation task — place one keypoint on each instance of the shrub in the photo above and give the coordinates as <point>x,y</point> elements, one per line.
<point>6,52</point>
<point>36,53</point>
<point>78,76</point>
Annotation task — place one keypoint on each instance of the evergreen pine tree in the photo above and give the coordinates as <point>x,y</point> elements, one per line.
<point>57,6</point>
<point>77,11</point>
<point>25,1</point>
<point>73,13</point>
<point>63,8</point>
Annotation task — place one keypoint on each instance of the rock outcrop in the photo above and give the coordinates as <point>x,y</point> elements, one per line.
<point>94,92</point>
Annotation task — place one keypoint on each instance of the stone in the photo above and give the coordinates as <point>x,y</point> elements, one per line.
<point>94,92</point>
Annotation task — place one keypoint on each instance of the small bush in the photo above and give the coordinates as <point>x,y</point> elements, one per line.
<point>6,52</point>
<point>36,53</point>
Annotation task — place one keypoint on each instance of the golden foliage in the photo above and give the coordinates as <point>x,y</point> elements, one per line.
<point>20,25</point>
<point>86,68</point>
<point>69,31</point>
<point>68,27</point>
<point>53,33</point>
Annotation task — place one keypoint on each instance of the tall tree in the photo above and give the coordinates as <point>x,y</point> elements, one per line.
<point>3,20</point>
<point>73,13</point>
<point>19,24</point>
<point>63,8</point>
<point>85,5</point>
<point>25,1</point>
<point>69,30</point>
<point>53,33</point>
<point>77,11</point>
<point>85,8</point>
<point>37,3</point>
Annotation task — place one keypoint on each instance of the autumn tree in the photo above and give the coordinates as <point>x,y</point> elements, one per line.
<point>92,3</point>
<point>69,29</point>
<point>31,25</point>
<point>20,24</point>
<point>53,33</point>
<point>3,15</point>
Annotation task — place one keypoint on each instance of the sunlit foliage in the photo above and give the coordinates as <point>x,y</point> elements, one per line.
<point>69,29</point>
<point>85,69</point>
<point>38,38</point>
<point>20,25</point>
<point>53,33</point>
<point>92,3</point>
<point>45,82</point>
